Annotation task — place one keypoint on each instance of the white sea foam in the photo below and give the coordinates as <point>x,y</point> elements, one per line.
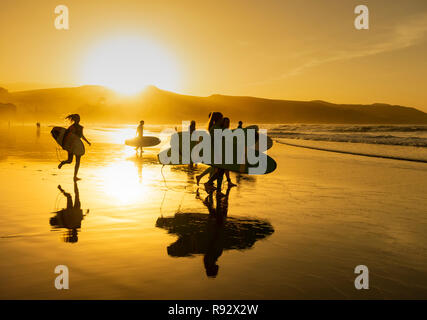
<point>398,135</point>
<point>400,142</point>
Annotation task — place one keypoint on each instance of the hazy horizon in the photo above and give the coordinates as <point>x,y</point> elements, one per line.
<point>154,105</point>
<point>26,87</point>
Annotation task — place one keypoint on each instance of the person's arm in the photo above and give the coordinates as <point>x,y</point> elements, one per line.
<point>83,136</point>
<point>87,141</point>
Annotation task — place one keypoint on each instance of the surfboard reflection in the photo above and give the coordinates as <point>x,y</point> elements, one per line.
<point>210,234</point>
<point>69,218</point>
<point>141,160</point>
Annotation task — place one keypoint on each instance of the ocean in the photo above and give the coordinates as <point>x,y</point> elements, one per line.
<point>405,142</point>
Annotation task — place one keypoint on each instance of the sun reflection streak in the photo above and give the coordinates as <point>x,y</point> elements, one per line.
<point>120,181</point>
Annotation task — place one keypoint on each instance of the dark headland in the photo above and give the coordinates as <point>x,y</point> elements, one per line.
<point>99,104</point>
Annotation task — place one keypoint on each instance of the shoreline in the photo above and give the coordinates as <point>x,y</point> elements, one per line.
<point>349,152</point>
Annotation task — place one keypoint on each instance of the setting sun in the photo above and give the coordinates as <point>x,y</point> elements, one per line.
<point>128,64</point>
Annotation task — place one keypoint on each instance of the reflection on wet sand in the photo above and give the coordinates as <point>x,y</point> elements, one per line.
<point>190,171</point>
<point>141,160</point>
<point>244,177</point>
<point>69,218</point>
<point>211,234</point>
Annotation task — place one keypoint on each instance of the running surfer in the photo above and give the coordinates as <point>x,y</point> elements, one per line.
<point>73,147</point>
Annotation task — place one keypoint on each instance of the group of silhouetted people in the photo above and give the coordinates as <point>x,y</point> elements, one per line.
<point>71,217</point>
<point>216,121</point>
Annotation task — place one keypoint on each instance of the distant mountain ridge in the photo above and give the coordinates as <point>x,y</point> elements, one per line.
<point>7,111</point>
<point>99,104</point>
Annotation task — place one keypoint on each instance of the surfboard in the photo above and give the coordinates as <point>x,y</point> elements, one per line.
<point>235,166</point>
<point>143,142</point>
<point>256,146</point>
<point>271,164</point>
<point>69,142</point>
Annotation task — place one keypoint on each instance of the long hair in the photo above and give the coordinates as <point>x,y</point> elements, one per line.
<point>225,123</point>
<point>73,117</point>
<point>215,117</point>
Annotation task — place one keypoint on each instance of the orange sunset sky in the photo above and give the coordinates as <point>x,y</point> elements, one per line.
<point>297,50</point>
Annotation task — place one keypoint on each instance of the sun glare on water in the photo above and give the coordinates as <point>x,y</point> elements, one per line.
<point>128,64</point>
<point>120,181</point>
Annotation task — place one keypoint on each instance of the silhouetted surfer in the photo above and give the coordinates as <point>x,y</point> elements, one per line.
<point>77,130</point>
<point>215,121</point>
<point>240,126</point>
<point>226,125</point>
<point>191,129</point>
<point>140,134</point>
<point>192,126</point>
<point>217,173</point>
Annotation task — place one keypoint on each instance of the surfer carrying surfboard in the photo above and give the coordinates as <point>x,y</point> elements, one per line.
<point>226,125</point>
<point>140,134</point>
<point>73,144</point>
<point>140,129</point>
<point>217,173</point>
<point>216,121</point>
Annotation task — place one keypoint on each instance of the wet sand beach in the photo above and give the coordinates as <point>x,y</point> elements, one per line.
<point>144,230</point>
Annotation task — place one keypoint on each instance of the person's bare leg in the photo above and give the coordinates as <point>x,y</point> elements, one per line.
<point>217,175</point>
<point>219,181</point>
<point>200,176</point>
<point>230,183</point>
<point>76,168</point>
<point>69,160</point>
